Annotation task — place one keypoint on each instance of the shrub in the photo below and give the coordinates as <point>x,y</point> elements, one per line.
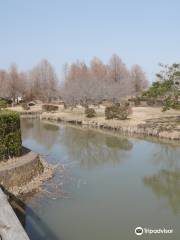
<point>3,103</point>
<point>118,111</point>
<point>25,106</point>
<point>171,102</point>
<point>21,101</point>
<point>50,108</point>
<point>90,112</point>
<point>10,134</point>
<point>31,104</point>
<point>150,102</point>
<point>159,89</point>
<point>137,101</point>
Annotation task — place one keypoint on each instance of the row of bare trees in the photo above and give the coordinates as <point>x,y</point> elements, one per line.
<point>39,83</point>
<point>100,81</point>
<point>94,82</point>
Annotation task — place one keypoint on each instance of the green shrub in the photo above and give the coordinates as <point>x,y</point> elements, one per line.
<point>3,103</point>
<point>118,111</point>
<point>171,102</point>
<point>90,112</point>
<point>10,134</point>
<point>25,106</point>
<point>159,89</point>
<point>50,108</point>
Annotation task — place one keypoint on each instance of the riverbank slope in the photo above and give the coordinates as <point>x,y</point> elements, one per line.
<point>146,121</point>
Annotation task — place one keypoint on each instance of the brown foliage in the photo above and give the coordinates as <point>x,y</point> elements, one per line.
<point>40,83</point>
<point>91,84</point>
<point>83,84</point>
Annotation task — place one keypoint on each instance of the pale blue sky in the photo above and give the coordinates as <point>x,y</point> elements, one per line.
<point>139,31</point>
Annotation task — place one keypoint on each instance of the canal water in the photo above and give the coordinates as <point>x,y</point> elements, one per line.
<point>104,185</point>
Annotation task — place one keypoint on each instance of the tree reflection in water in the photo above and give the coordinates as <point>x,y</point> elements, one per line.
<point>92,148</point>
<point>166,182</point>
<point>87,146</point>
<point>45,134</point>
<point>166,155</point>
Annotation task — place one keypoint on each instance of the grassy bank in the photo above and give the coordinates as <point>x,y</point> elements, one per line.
<point>144,121</point>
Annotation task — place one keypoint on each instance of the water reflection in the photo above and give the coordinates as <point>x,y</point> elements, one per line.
<point>92,148</point>
<point>107,194</point>
<point>86,146</point>
<point>166,156</point>
<point>43,133</point>
<point>29,219</point>
<point>118,143</point>
<point>166,184</point>
<point>36,227</point>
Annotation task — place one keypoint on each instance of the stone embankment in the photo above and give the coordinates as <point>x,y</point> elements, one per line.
<point>24,174</point>
<point>20,170</point>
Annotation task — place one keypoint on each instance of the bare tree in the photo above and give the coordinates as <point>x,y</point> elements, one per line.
<point>43,81</point>
<point>100,81</point>
<point>117,69</point>
<point>139,79</point>
<point>98,69</point>
<point>82,83</point>
<point>4,91</point>
<point>14,83</point>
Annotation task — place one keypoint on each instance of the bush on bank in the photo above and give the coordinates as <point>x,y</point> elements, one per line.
<point>10,134</point>
<point>118,111</point>
<point>49,107</point>
<point>90,112</point>
<point>25,106</point>
<point>4,102</point>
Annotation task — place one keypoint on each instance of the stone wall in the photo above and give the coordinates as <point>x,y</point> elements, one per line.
<point>21,170</point>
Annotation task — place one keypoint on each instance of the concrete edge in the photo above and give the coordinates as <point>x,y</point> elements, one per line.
<point>10,227</point>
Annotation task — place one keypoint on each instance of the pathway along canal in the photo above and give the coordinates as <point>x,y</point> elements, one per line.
<point>111,185</point>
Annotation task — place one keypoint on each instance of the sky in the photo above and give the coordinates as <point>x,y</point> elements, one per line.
<point>62,31</point>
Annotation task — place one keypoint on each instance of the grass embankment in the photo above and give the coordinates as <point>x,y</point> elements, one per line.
<point>146,121</point>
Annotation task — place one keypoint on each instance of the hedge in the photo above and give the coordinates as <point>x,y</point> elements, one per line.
<point>4,102</point>
<point>10,134</point>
